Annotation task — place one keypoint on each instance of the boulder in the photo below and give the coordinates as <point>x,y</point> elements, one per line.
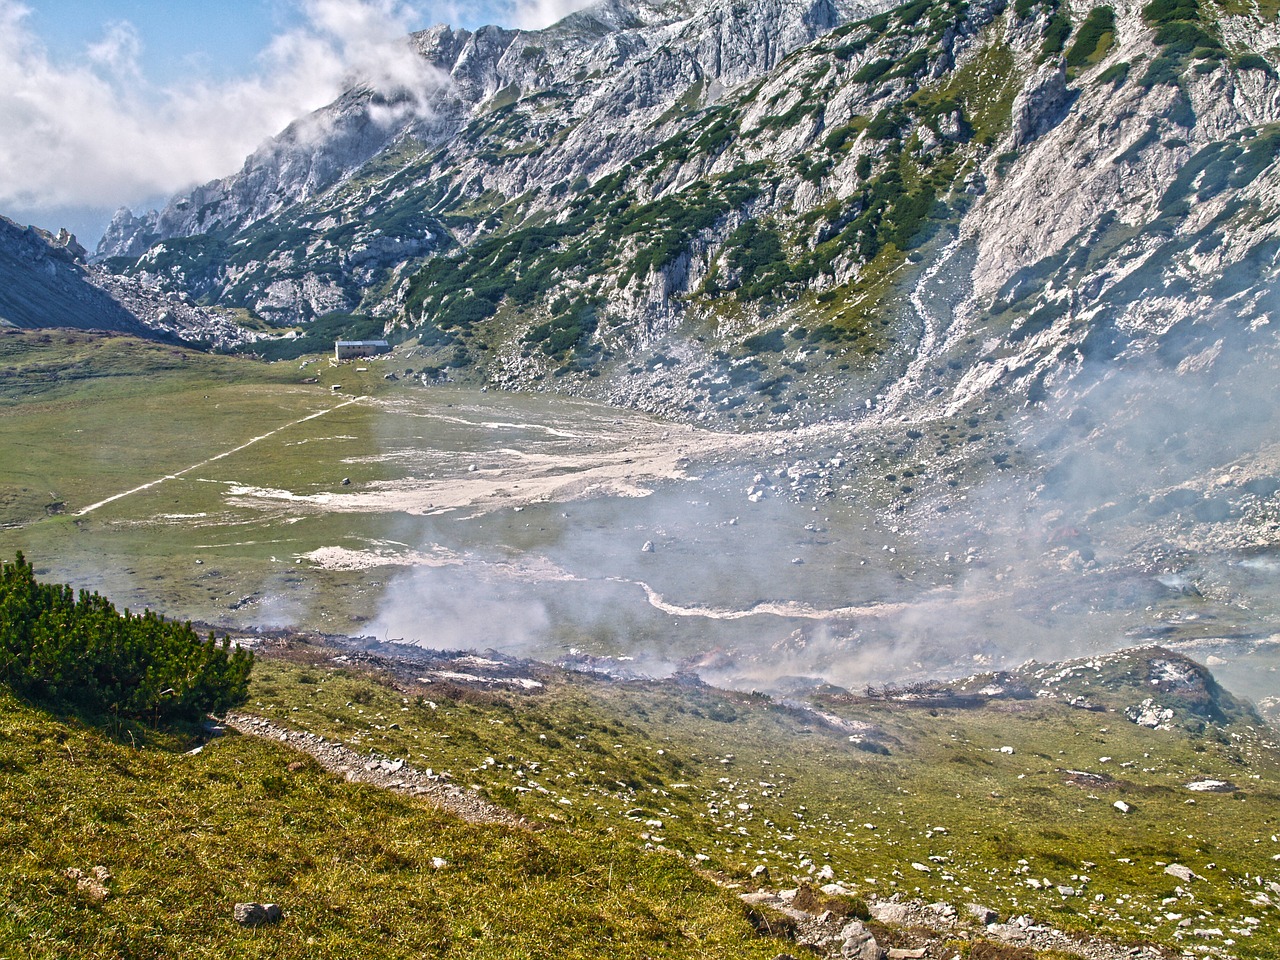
<point>886,911</point>
<point>982,914</point>
<point>859,943</point>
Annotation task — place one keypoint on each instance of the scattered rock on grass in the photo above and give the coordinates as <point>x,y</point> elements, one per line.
<point>256,914</point>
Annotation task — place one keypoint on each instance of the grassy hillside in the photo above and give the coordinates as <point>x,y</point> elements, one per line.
<point>355,869</point>
<point>988,795</point>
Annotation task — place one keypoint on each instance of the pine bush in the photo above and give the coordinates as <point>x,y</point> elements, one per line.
<point>76,651</point>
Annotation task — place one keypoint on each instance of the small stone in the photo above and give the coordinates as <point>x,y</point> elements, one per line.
<point>93,884</point>
<point>761,873</point>
<point>982,914</point>
<point>256,914</point>
<point>1122,806</point>
<point>942,910</point>
<point>648,547</point>
<point>1184,874</point>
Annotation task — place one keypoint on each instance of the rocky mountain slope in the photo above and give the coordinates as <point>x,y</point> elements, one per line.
<point>45,282</point>
<point>1008,252</point>
<point>795,207</point>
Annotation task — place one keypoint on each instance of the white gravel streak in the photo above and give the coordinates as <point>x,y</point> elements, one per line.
<point>378,771</point>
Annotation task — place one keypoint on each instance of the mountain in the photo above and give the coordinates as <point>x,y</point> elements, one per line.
<point>45,282</point>
<point>777,211</point>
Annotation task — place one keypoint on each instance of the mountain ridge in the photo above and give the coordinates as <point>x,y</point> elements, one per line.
<point>1011,188</point>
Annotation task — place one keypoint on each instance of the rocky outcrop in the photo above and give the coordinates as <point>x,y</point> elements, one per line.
<point>1041,104</point>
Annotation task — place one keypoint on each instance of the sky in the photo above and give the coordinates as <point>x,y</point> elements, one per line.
<point>110,103</point>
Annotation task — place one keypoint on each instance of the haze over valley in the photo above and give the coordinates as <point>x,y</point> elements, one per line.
<point>872,372</point>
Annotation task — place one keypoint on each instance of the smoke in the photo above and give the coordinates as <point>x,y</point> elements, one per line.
<point>1127,505</point>
<point>451,608</point>
<point>96,133</point>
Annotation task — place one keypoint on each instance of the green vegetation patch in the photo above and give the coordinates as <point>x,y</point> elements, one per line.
<point>1094,38</point>
<point>76,651</point>
<point>1220,166</point>
<point>1182,36</point>
<point>357,871</point>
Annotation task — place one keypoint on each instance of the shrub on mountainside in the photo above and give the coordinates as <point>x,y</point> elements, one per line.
<point>76,651</point>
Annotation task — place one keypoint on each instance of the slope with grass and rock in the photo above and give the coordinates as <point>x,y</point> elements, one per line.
<point>654,818</point>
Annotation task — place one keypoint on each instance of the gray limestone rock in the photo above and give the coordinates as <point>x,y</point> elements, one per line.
<point>1041,104</point>
<point>859,943</point>
<point>256,914</point>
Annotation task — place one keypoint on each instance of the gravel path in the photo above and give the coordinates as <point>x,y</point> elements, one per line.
<point>379,771</point>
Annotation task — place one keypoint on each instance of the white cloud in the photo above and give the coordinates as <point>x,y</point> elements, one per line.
<point>96,133</point>
<point>118,51</point>
<point>536,14</point>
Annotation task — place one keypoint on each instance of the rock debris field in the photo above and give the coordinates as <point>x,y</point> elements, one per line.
<point>818,920</point>
<point>378,771</point>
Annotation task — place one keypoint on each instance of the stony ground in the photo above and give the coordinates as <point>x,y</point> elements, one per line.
<point>820,920</point>
<point>378,771</point>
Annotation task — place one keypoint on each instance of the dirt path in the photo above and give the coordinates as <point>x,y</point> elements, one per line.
<point>378,771</point>
<point>204,463</point>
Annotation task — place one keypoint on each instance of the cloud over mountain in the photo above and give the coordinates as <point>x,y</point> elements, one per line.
<point>97,133</point>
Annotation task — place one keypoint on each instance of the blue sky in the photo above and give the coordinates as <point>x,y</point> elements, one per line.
<point>109,103</point>
<point>220,38</point>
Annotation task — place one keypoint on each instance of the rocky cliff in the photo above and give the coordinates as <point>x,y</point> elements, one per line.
<point>43,282</point>
<point>776,211</point>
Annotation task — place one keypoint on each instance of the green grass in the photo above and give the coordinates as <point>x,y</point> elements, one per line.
<point>186,837</point>
<point>598,756</point>
<point>67,443</point>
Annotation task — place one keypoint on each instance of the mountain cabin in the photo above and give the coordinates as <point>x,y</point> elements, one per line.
<point>350,349</point>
